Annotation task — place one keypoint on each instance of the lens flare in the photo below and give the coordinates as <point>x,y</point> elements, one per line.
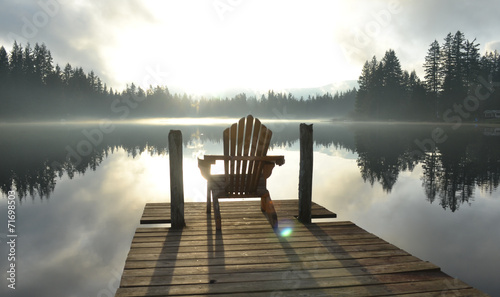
<point>286,232</point>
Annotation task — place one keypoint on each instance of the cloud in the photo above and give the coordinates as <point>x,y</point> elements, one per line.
<point>74,243</point>
<point>411,28</point>
<point>304,45</point>
<point>493,46</point>
<point>75,32</point>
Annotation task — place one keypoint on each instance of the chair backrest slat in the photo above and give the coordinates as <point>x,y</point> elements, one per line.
<point>232,152</point>
<point>263,144</point>
<point>246,150</point>
<point>239,149</point>
<point>225,137</point>
<point>253,149</point>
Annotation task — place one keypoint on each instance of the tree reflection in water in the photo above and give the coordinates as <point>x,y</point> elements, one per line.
<point>33,158</point>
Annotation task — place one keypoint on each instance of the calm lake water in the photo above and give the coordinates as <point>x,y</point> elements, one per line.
<point>80,190</point>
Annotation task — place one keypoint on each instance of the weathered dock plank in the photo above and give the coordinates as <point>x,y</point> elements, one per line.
<point>248,258</point>
<point>128,281</point>
<point>159,213</point>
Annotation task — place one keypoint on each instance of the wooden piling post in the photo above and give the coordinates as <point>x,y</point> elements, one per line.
<point>176,179</point>
<point>305,173</point>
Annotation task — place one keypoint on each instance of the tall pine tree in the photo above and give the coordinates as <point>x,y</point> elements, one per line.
<point>4,66</point>
<point>393,96</point>
<point>433,75</point>
<point>431,68</point>
<point>16,62</point>
<point>471,67</point>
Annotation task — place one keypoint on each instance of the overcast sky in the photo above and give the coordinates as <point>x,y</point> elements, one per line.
<point>209,45</point>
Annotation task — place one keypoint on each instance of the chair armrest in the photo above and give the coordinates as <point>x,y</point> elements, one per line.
<point>206,164</point>
<point>279,160</point>
<point>208,160</point>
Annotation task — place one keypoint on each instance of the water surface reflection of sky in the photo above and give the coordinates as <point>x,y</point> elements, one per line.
<point>75,242</point>
<point>463,243</point>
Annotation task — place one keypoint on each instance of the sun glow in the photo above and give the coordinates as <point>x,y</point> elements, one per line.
<point>193,50</point>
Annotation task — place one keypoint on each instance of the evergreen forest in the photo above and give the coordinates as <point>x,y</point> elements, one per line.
<point>31,87</point>
<point>458,82</point>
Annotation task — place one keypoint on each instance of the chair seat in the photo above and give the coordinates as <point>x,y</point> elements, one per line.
<point>217,184</point>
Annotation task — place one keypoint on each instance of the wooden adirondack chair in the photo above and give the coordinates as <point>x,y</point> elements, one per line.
<point>246,167</point>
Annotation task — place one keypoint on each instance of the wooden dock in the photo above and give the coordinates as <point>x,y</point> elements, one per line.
<point>248,258</point>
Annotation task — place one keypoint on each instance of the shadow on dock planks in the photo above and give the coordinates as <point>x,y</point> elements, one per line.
<point>248,258</point>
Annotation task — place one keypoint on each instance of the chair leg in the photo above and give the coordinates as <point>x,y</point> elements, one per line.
<point>267,206</point>
<point>209,196</point>
<point>217,215</point>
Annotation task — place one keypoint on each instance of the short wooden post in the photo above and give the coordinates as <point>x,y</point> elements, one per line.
<point>305,173</point>
<point>176,179</point>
